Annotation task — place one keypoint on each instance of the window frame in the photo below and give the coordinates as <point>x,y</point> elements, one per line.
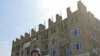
<point>80,45</point>
<point>52,50</point>
<point>75,31</point>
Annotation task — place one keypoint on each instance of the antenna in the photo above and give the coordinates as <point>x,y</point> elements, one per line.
<point>60,13</point>
<point>35,28</point>
<point>52,18</point>
<point>30,32</point>
<point>44,23</point>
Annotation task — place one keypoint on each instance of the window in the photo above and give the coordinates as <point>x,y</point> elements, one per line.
<point>53,40</point>
<point>17,48</point>
<point>46,46</point>
<point>65,51</point>
<point>53,52</point>
<point>17,54</point>
<point>75,31</point>
<point>63,26</point>
<point>77,45</point>
<point>45,35</point>
<point>68,52</point>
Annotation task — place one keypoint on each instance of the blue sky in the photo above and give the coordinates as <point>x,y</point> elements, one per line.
<point>16,18</point>
<point>20,16</point>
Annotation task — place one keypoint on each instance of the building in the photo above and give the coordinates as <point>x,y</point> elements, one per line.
<point>76,35</point>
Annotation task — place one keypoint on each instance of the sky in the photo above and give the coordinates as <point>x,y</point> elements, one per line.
<point>20,16</point>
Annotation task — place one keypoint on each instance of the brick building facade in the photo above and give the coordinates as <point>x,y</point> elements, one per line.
<point>76,35</point>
